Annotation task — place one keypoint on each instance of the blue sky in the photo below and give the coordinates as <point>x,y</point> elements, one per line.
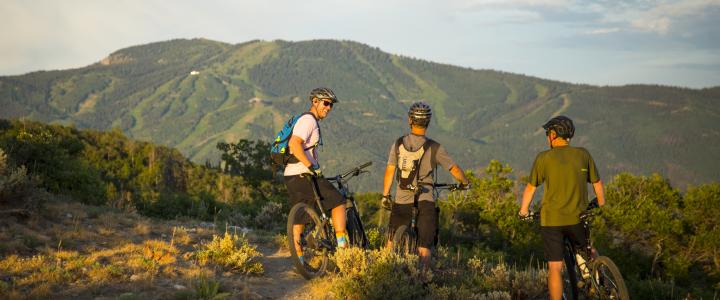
<point>596,42</point>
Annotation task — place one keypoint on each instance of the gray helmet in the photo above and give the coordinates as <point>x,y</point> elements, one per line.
<point>420,113</point>
<point>562,125</point>
<point>323,93</point>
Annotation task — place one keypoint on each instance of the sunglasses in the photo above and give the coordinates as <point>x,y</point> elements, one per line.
<point>328,103</point>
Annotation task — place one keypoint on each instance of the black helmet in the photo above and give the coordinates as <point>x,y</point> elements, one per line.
<point>420,113</point>
<point>323,93</point>
<point>562,125</point>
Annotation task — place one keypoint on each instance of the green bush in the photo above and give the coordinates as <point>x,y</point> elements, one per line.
<point>52,153</point>
<point>231,252</point>
<point>208,289</point>
<point>488,214</point>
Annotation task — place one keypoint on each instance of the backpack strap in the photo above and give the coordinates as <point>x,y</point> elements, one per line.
<point>320,140</point>
<point>433,147</point>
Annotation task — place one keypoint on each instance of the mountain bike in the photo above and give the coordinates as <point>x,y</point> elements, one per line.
<point>597,277</point>
<point>317,238</point>
<point>405,238</point>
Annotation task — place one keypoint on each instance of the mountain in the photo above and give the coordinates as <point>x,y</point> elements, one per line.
<point>191,94</point>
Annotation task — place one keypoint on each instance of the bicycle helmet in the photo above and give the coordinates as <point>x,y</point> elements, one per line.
<point>562,125</point>
<point>323,93</point>
<point>420,113</point>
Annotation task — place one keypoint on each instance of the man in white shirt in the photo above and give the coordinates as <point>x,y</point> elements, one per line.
<point>306,136</point>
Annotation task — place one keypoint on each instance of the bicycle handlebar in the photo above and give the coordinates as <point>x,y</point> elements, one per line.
<point>443,186</point>
<point>532,216</point>
<point>589,212</point>
<point>356,170</point>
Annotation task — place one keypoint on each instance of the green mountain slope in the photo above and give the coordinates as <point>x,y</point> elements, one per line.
<point>191,94</point>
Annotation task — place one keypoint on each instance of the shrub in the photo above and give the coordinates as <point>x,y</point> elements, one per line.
<point>232,252</point>
<point>376,274</point>
<point>271,216</point>
<point>208,289</point>
<point>16,187</point>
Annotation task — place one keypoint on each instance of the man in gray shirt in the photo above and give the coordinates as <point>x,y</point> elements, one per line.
<point>415,158</point>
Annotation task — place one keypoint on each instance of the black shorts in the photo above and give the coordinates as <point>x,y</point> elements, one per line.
<point>300,190</point>
<point>553,239</point>
<point>427,221</point>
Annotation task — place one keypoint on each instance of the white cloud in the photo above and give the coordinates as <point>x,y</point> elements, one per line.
<point>517,4</point>
<point>660,26</point>
<point>662,17</point>
<point>603,30</point>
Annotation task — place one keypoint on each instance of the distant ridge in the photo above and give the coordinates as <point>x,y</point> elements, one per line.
<point>191,94</point>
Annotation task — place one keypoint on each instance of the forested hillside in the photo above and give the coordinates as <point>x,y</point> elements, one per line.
<point>192,94</point>
<point>664,240</point>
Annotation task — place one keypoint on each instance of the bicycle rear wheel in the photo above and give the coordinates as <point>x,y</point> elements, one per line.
<point>608,280</point>
<point>404,241</point>
<point>305,222</point>
<point>355,230</point>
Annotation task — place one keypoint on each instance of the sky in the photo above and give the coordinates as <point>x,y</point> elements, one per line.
<point>603,42</point>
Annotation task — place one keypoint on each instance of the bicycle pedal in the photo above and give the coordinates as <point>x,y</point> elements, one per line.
<point>327,245</point>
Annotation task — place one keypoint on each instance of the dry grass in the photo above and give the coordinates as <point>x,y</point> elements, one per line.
<point>74,251</point>
<point>142,228</point>
<point>377,274</point>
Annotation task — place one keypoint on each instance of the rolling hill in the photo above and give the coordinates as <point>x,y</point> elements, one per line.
<point>191,94</point>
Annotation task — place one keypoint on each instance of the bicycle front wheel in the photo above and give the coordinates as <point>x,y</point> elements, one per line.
<point>608,280</point>
<point>306,241</point>
<point>354,228</point>
<point>404,241</point>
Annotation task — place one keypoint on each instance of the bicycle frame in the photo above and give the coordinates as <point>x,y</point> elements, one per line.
<point>348,196</point>
<point>319,239</point>
<point>583,275</point>
<point>344,191</point>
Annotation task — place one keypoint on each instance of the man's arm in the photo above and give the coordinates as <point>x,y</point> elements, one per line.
<point>599,192</point>
<point>388,179</point>
<point>459,174</point>
<point>526,199</point>
<point>296,148</point>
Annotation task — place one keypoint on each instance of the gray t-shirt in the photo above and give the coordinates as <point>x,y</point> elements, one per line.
<point>413,142</point>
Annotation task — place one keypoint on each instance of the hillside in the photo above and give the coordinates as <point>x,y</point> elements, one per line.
<point>192,94</point>
<point>666,241</point>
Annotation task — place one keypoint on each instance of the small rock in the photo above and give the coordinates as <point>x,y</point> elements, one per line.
<point>69,216</point>
<point>163,235</point>
<point>135,277</point>
<point>179,287</point>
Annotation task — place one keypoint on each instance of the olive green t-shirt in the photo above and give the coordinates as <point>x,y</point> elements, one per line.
<point>565,171</point>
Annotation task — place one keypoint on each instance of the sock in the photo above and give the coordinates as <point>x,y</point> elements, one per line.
<point>301,257</point>
<point>342,239</point>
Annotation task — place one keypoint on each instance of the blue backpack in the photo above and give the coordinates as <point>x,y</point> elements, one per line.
<point>280,151</point>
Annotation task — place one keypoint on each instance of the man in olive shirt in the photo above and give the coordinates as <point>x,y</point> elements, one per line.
<point>565,171</point>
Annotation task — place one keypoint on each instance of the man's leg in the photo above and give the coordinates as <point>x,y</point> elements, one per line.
<point>424,257</point>
<point>427,230</point>
<point>554,247</point>
<point>338,218</point>
<point>555,280</point>
<point>297,229</point>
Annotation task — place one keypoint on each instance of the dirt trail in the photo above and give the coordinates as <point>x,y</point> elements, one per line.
<point>280,280</point>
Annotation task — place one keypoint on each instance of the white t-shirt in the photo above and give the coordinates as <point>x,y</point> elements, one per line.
<point>307,129</point>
